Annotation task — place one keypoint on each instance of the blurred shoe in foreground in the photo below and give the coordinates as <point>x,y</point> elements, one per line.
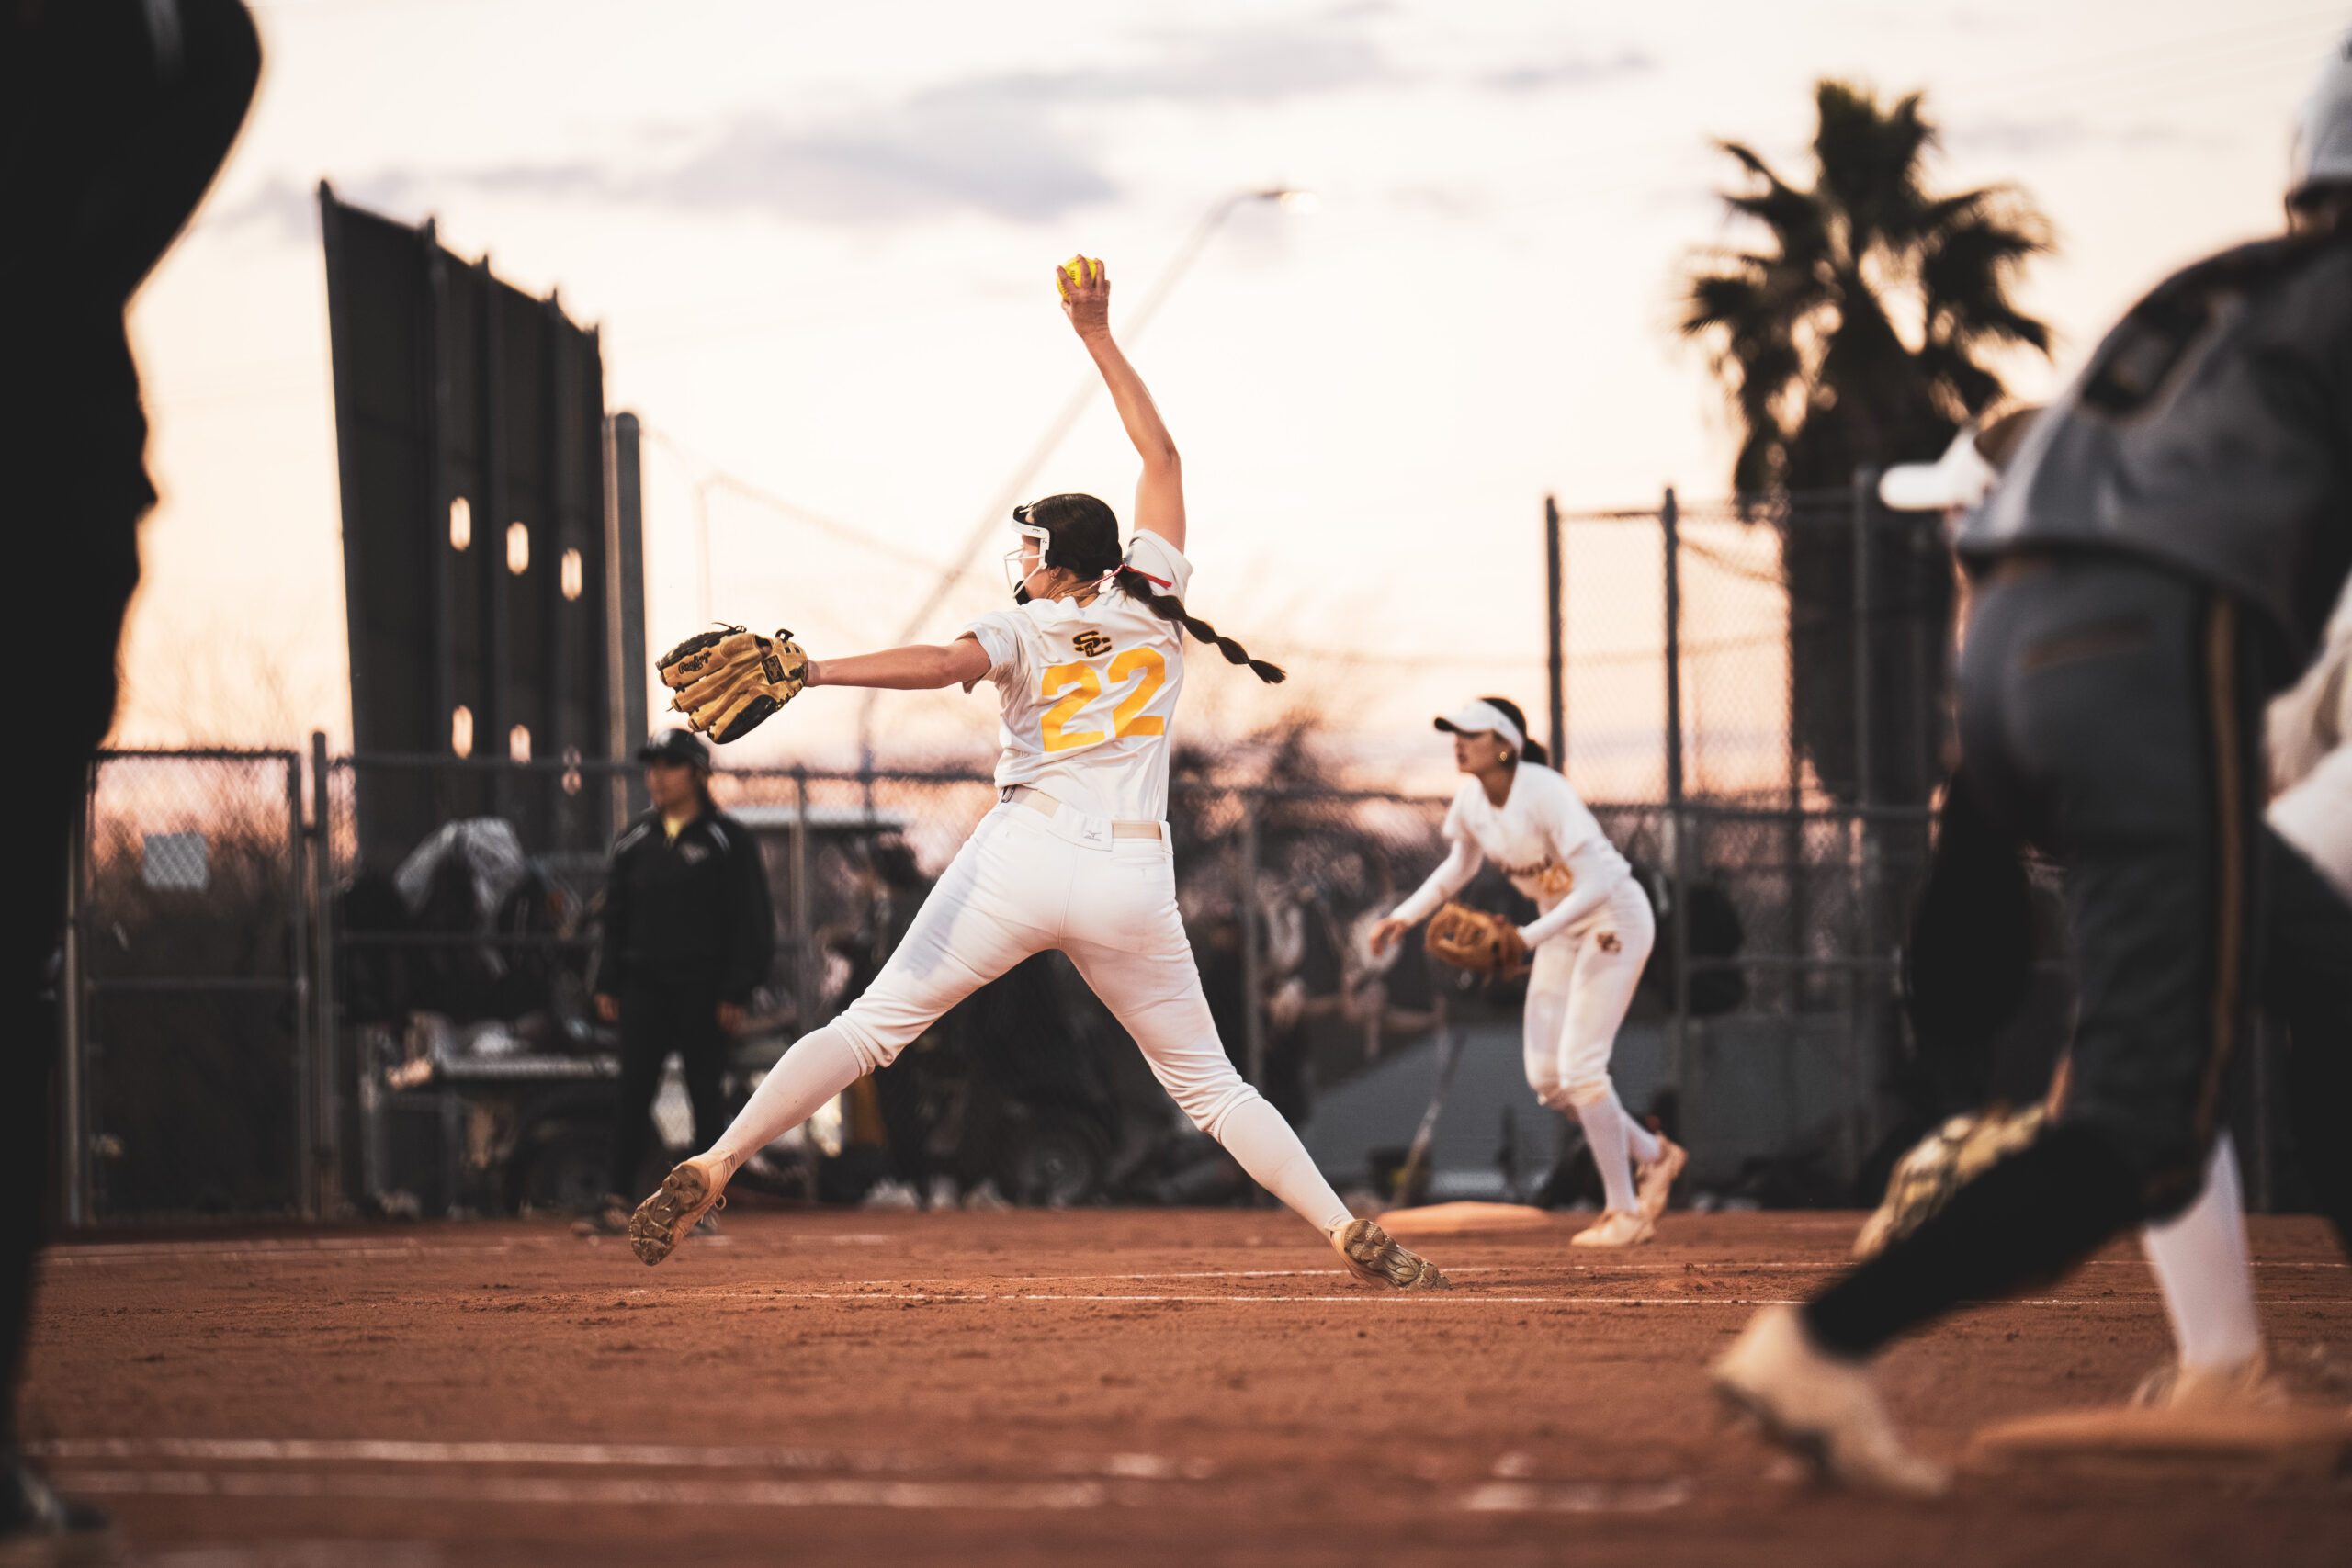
<point>37,1526</point>
<point>1823,1409</point>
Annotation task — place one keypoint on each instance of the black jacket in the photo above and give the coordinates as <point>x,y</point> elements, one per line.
<point>2210,433</point>
<point>690,911</point>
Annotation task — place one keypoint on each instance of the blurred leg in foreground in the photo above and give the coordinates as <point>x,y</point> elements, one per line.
<point>114,117</point>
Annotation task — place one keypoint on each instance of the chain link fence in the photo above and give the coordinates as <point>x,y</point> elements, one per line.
<point>185,988</point>
<point>382,969</point>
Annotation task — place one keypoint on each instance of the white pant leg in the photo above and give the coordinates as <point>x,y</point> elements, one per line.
<point>1544,1019</point>
<point>1001,899</point>
<point>1608,966</point>
<point>1126,937</point>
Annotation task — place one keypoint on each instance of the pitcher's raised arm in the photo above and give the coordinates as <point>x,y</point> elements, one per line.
<point>1159,493</point>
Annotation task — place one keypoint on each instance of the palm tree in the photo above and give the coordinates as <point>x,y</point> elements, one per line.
<point>1805,327</point>
<point>1854,335</point>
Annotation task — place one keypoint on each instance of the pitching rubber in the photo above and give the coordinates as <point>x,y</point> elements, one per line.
<point>1372,1258</point>
<point>662,1221</point>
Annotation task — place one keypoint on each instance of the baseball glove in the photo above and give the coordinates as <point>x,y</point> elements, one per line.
<point>1474,939</point>
<point>1942,1163</point>
<point>730,679</point>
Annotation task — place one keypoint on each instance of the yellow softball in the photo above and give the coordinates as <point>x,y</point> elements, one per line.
<point>1076,273</point>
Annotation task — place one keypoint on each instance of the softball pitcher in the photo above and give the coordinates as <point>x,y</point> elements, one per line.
<point>1088,665</point>
<point>1589,944</point>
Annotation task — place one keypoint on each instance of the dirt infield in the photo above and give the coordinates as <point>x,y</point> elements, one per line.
<point>1096,1386</point>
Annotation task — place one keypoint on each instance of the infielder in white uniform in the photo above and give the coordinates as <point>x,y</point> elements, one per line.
<point>1588,941</point>
<point>1088,666</point>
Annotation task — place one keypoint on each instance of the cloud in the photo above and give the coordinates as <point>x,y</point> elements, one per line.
<point>1577,71</point>
<point>291,206</point>
<point>2061,133</point>
<point>1020,146</point>
<point>916,159</point>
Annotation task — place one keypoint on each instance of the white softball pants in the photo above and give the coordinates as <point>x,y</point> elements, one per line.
<point>1022,884</point>
<point>1578,991</point>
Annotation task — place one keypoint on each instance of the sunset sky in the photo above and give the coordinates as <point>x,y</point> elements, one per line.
<point>818,240</point>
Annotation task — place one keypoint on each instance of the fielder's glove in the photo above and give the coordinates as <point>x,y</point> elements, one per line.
<point>1474,939</point>
<point>728,680</point>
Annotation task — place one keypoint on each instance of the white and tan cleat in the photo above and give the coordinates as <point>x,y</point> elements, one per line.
<point>2247,1386</point>
<point>1825,1410</point>
<point>1375,1258</point>
<point>1616,1227</point>
<point>1655,1179</point>
<point>664,1219</point>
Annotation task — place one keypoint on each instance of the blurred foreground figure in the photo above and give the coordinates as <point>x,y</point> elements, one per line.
<point>2158,562</point>
<point>114,117</point>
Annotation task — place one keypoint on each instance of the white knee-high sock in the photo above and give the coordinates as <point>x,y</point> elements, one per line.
<point>819,1066</point>
<point>2200,1263</point>
<point>1640,1141</point>
<point>1604,1128</point>
<point>1255,1133</point>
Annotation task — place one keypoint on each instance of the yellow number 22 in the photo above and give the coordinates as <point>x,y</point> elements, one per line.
<point>1078,685</point>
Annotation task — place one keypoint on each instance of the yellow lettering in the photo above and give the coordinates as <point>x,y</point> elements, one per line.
<point>1083,685</point>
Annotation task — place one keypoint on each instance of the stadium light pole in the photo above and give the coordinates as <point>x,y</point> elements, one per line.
<point>999,508</point>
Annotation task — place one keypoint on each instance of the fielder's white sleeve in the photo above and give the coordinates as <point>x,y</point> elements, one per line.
<point>1597,878</point>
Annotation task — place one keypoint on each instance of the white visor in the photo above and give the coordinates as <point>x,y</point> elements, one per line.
<point>1478,717</point>
<point>1960,478</point>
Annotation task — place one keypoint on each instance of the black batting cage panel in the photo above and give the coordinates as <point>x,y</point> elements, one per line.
<point>490,592</point>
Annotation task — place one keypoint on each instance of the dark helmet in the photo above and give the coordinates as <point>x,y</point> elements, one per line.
<point>1075,531</point>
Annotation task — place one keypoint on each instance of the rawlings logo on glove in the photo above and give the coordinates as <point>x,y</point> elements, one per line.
<point>1474,939</point>
<point>728,680</point>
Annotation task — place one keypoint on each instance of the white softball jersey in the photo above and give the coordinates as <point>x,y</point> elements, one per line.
<point>1088,692</point>
<point>1588,944</point>
<point>1544,839</point>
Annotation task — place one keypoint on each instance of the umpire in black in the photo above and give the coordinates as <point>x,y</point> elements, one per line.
<point>2157,563</point>
<point>688,934</point>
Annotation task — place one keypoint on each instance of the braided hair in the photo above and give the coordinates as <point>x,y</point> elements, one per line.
<point>1085,538</point>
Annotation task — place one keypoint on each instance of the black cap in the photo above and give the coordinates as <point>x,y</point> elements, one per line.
<point>675,746</point>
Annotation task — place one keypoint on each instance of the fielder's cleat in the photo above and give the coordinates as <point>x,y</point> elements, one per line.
<point>1657,1177</point>
<point>1373,1257</point>
<point>2247,1385</point>
<point>662,1221</point>
<point>1821,1409</point>
<point>1616,1227</point>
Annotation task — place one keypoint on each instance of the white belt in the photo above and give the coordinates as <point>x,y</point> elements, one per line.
<point>1045,805</point>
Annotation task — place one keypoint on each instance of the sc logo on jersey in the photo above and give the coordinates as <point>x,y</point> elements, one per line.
<point>1094,645</point>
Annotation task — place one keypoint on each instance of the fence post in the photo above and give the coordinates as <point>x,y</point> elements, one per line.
<point>1555,619</point>
<point>326,1109</point>
<point>74,1142</point>
<point>1253,1021</point>
<point>299,942</point>
<point>1679,1068</point>
<point>1865,992</point>
<point>808,976</point>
